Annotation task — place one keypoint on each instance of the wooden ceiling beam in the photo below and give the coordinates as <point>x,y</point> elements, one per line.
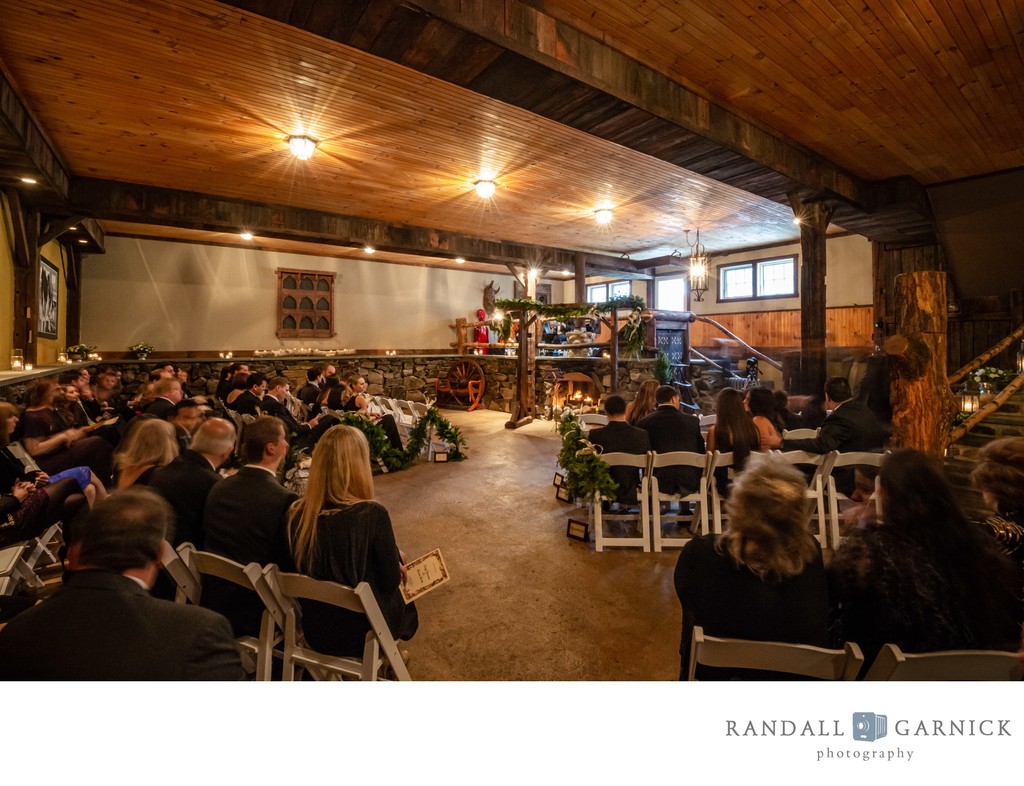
<point>28,139</point>
<point>117,201</point>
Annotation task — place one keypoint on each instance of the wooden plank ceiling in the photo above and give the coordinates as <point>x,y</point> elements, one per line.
<point>411,108</point>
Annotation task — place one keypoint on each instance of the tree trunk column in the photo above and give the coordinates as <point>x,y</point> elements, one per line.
<point>814,218</point>
<point>922,404</point>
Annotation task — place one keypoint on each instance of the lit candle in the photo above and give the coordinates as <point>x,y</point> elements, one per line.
<point>62,357</point>
<point>17,365</point>
<point>28,367</point>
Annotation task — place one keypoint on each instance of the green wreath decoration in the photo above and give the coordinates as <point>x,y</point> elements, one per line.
<point>395,459</point>
<point>563,312</point>
<point>586,473</point>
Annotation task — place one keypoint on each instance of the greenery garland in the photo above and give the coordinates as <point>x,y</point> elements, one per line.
<point>585,472</point>
<point>395,459</point>
<point>562,312</point>
<point>662,370</point>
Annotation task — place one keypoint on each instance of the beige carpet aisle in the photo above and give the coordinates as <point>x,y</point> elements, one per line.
<point>525,602</point>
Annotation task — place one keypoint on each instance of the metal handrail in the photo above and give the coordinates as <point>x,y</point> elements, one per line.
<point>760,355</point>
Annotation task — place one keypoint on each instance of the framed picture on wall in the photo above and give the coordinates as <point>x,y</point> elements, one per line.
<point>49,292</point>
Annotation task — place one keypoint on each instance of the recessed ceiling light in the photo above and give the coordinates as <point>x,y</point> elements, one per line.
<point>29,180</point>
<point>83,242</point>
<point>460,261</point>
<point>369,249</point>
<point>485,188</point>
<point>72,229</point>
<point>246,235</point>
<point>604,215</point>
<point>566,272</point>
<point>532,273</point>
<point>302,146</point>
<point>796,220</point>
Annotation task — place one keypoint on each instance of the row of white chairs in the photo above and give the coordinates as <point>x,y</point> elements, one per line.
<point>891,663</point>
<point>18,562</point>
<point>702,509</point>
<point>281,634</point>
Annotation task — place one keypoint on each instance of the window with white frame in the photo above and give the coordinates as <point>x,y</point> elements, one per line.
<point>670,293</point>
<point>602,293</point>
<point>758,279</point>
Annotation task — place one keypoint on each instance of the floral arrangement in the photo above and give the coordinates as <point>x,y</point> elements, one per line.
<point>80,349</point>
<point>633,333</point>
<point>400,459</point>
<point>585,473</point>
<point>141,348</point>
<point>995,377</point>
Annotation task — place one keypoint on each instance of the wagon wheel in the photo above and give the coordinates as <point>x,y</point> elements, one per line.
<point>459,377</point>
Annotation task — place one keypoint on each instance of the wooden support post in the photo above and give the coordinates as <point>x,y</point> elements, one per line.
<point>25,241</point>
<point>525,405</point>
<point>922,403</point>
<point>613,324</point>
<point>879,279</point>
<point>581,277</point>
<point>460,335</point>
<point>814,218</point>
<point>73,318</point>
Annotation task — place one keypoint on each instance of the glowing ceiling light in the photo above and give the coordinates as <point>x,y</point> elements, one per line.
<point>369,249</point>
<point>603,216</point>
<point>84,242</point>
<point>302,146</point>
<point>460,260</point>
<point>485,188</point>
<point>29,180</point>
<point>796,220</point>
<point>532,273</point>
<point>246,235</point>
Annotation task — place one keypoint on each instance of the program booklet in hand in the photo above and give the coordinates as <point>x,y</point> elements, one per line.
<point>425,573</point>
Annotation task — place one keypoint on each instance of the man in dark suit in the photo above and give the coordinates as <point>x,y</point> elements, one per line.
<point>251,400</point>
<point>168,393</point>
<point>244,520</point>
<point>186,482</point>
<point>670,430</point>
<point>103,624</point>
<point>186,418</point>
<point>306,434</point>
<point>620,437</point>
<point>849,427</point>
<point>310,392</point>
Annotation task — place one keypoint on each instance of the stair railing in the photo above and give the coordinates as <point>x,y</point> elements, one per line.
<point>985,356</point>
<point>759,355</point>
<point>1001,398</point>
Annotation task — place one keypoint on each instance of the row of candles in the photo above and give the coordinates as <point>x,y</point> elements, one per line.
<point>18,360</point>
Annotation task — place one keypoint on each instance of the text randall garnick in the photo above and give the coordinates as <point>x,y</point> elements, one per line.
<point>903,727</point>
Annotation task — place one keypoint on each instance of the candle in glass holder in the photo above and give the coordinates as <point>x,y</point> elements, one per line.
<point>17,360</point>
<point>28,367</point>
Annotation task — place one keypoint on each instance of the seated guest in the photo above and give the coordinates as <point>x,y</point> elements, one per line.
<point>999,476</point>
<point>332,393</point>
<point>31,501</point>
<point>734,432</point>
<point>849,427</point>
<point>339,533</point>
<point>784,415</point>
<point>244,520</point>
<point>925,578</point>
<point>67,406</point>
<point>86,399</point>
<point>310,392</point>
<point>56,449</point>
<point>186,482</point>
<point>620,437</point>
<point>167,392</point>
<point>106,392</point>
<point>227,377</point>
<point>306,434</point>
<point>103,624</point>
<point>355,401</point>
<point>643,404</point>
<point>250,400</point>
<point>182,376</point>
<point>761,407</point>
<point>670,430</point>
<point>763,578</point>
<point>239,384</point>
<point>186,418</point>
<point>149,444</point>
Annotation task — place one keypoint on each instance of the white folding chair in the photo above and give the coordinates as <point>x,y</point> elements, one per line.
<point>800,659</point>
<point>894,665</point>
<point>640,516</point>
<point>379,649</point>
<point>14,571</point>
<point>701,514</point>
<point>822,463</point>
<point>835,497</point>
<point>800,433</point>
<point>594,419</point>
<point>188,571</point>
<point>724,462</point>
<point>39,552</point>
<point>707,421</point>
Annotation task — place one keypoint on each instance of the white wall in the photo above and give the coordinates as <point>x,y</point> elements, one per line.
<point>180,296</point>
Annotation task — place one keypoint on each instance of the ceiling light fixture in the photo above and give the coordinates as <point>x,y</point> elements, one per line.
<point>84,242</point>
<point>603,216</point>
<point>29,181</point>
<point>302,146</point>
<point>796,220</point>
<point>369,249</point>
<point>699,260</point>
<point>485,188</point>
<point>246,235</point>
<point>460,261</point>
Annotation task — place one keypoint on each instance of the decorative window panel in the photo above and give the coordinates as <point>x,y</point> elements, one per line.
<point>305,304</point>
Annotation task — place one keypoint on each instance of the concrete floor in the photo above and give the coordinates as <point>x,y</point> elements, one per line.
<point>525,602</point>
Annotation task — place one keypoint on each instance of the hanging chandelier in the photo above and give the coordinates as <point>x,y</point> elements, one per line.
<point>699,261</point>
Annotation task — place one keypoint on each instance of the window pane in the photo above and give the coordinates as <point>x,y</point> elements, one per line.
<point>621,289</point>
<point>670,294</point>
<point>737,281</point>
<point>775,277</point>
<point>597,293</point>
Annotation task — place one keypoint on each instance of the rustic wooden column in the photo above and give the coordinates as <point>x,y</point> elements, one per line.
<point>922,403</point>
<point>613,349</point>
<point>581,277</point>
<point>73,315</point>
<point>25,241</point>
<point>524,407</point>
<point>814,218</point>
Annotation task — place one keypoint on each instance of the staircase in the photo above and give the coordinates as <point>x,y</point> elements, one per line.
<point>961,456</point>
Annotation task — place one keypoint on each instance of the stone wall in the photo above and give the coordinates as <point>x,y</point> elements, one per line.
<point>409,377</point>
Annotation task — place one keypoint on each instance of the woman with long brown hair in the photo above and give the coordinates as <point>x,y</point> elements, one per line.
<point>337,532</point>
<point>643,403</point>
<point>734,432</point>
<point>761,407</point>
